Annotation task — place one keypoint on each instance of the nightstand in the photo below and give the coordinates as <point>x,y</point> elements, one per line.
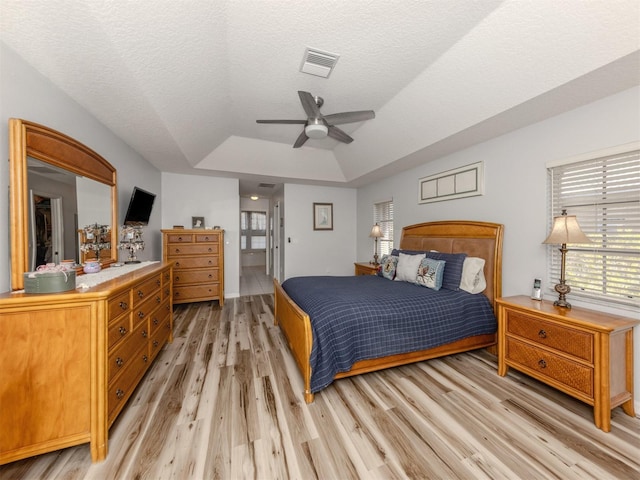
<point>583,353</point>
<point>365,268</point>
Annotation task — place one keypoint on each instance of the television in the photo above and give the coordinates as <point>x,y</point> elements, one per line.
<point>140,206</point>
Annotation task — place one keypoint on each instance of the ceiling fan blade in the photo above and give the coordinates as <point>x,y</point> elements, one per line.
<point>300,140</point>
<point>301,122</point>
<point>337,134</point>
<point>349,117</point>
<point>309,104</point>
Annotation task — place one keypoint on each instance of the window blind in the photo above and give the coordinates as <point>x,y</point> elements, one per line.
<point>383,216</point>
<point>604,194</point>
<point>253,230</point>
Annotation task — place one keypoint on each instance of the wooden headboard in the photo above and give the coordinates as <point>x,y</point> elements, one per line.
<point>476,239</point>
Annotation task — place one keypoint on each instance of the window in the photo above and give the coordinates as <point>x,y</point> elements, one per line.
<point>383,216</point>
<point>253,230</point>
<point>604,194</point>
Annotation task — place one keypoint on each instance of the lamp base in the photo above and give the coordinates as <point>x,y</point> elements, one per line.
<point>562,288</point>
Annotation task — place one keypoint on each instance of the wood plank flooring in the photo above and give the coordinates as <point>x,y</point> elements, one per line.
<point>224,401</point>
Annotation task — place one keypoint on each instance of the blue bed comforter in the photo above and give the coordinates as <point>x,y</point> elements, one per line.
<point>364,317</point>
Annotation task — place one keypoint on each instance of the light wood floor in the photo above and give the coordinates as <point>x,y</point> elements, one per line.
<point>224,401</point>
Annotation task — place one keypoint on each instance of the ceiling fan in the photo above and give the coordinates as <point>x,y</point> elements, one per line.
<point>320,126</point>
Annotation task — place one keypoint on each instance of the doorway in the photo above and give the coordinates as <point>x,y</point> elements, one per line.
<point>46,232</point>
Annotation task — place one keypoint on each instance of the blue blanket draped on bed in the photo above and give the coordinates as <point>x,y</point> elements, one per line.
<point>364,317</point>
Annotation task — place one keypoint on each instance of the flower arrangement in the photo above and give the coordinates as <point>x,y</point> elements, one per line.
<point>97,238</point>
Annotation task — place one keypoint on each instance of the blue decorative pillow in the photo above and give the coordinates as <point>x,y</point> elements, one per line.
<point>388,265</point>
<point>430,273</point>
<point>453,270</point>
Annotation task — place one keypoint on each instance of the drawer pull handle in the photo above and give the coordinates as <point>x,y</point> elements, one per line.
<point>177,250</point>
<point>145,358</point>
<point>210,262</point>
<point>158,300</point>
<point>144,334</point>
<point>140,293</point>
<point>155,321</point>
<point>210,276</point>
<point>124,305</point>
<point>179,239</point>
<point>542,364</point>
<point>123,331</point>
<point>542,334</point>
<point>209,249</point>
<point>177,278</point>
<point>155,343</point>
<point>119,393</point>
<point>177,264</point>
<point>158,282</point>
<point>140,314</point>
<point>119,362</point>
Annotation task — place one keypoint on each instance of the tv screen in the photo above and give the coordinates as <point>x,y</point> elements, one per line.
<point>140,207</point>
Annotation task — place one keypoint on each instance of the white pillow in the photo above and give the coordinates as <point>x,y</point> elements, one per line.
<point>473,280</point>
<point>407,268</point>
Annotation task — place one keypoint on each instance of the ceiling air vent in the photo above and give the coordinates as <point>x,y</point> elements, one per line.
<point>319,63</point>
<point>266,185</point>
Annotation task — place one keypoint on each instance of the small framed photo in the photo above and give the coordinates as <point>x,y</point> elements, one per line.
<point>323,216</point>
<point>197,222</point>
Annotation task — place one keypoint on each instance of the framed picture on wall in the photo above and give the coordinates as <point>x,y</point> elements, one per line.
<point>323,216</point>
<point>197,222</point>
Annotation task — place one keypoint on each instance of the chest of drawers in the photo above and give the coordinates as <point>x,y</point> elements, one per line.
<point>71,360</point>
<point>584,353</point>
<point>197,257</point>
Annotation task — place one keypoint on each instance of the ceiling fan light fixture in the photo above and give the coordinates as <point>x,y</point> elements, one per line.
<point>316,131</point>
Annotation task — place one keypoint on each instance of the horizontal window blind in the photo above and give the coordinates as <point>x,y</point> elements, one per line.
<point>253,230</point>
<point>383,216</point>
<point>604,195</point>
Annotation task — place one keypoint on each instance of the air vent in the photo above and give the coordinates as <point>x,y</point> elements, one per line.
<point>266,185</point>
<point>318,63</point>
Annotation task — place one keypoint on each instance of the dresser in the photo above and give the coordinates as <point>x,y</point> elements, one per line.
<point>197,257</point>
<point>71,360</point>
<point>584,353</point>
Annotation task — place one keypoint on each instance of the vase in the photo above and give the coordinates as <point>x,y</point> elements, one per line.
<point>92,266</point>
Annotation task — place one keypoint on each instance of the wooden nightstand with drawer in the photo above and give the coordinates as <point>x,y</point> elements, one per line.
<point>365,268</point>
<point>583,353</point>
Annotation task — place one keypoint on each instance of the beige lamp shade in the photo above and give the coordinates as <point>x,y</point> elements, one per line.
<point>566,230</point>
<point>376,232</point>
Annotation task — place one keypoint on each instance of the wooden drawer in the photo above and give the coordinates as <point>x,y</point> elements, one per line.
<point>146,309</point>
<point>181,277</point>
<point>118,305</point>
<point>159,338</point>
<point>124,385</point>
<point>559,337</point>
<point>180,238</point>
<point>194,262</point>
<point>196,292</point>
<point>192,249</point>
<point>571,374</point>
<point>122,356</point>
<point>159,316</point>
<point>118,330</point>
<point>145,290</point>
<point>207,238</point>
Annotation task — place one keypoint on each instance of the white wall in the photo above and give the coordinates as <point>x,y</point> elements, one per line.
<point>319,252</point>
<point>26,94</point>
<point>215,199</point>
<point>515,190</point>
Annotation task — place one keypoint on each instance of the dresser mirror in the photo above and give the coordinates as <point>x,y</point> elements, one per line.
<point>50,174</point>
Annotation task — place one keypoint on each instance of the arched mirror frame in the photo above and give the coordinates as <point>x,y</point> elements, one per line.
<point>48,145</point>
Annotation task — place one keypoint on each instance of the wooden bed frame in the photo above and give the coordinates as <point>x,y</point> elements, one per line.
<point>476,239</point>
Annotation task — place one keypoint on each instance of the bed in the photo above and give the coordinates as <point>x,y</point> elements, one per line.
<point>475,239</point>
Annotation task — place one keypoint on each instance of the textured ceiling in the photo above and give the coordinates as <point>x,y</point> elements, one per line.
<point>182,82</point>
